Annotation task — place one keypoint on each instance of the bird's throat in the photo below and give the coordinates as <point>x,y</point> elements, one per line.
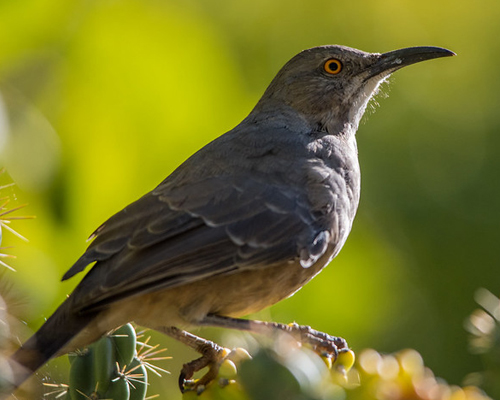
<point>362,98</point>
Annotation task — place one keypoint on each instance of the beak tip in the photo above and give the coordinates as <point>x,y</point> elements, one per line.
<point>448,53</point>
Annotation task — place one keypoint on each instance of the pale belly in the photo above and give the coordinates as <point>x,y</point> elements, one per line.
<point>232,295</point>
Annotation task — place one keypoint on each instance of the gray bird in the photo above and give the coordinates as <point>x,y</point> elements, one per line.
<point>242,224</point>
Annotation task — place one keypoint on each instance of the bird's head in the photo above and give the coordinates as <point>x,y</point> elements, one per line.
<point>330,86</point>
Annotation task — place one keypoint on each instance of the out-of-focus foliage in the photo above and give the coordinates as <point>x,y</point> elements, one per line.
<point>403,376</point>
<point>292,373</point>
<point>5,335</point>
<point>282,370</point>
<point>484,327</point>
<point>100,100</point>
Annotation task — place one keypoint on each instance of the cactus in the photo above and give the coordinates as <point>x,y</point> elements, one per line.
<point>6,374</point>
<point>124,339</point>
<point>109,369</point>
<point>5,220</point>
<point>81,376</point>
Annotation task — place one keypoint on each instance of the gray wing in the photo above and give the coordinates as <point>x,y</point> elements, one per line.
<point>178,234</point>
<point>246,200</point>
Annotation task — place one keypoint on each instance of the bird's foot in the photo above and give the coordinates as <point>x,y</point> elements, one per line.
<point>322,343</point>
<point>212,357</point>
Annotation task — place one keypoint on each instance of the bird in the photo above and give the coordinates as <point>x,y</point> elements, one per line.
<point>242,224</point>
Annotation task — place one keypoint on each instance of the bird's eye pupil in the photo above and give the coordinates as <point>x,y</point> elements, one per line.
<point>333,66</point>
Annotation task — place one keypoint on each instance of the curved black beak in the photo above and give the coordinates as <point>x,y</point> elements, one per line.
<point>391,61</point>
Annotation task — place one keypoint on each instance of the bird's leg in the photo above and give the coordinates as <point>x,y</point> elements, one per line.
<point>321,343</point>
<point>212,355</point>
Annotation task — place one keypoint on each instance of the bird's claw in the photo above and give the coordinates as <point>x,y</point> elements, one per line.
<point>212,357</point>
<point>322,343</point>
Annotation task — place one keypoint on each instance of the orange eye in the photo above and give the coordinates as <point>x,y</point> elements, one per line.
<point>333,66</point>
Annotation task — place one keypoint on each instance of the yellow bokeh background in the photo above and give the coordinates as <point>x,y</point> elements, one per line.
<point>100,100</point>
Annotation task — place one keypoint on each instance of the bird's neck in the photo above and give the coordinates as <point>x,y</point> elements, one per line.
<point>278,116</point>
<point>285,116</point>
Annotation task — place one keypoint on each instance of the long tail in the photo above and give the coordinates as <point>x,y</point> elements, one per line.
<point>46,343</point>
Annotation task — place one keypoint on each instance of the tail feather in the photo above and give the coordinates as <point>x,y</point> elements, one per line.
<point>47,342</point>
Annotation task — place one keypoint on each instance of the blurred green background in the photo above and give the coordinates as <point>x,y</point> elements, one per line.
<point>100,100</point>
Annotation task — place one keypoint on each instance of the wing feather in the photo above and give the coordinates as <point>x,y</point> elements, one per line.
<point>197,224</point>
